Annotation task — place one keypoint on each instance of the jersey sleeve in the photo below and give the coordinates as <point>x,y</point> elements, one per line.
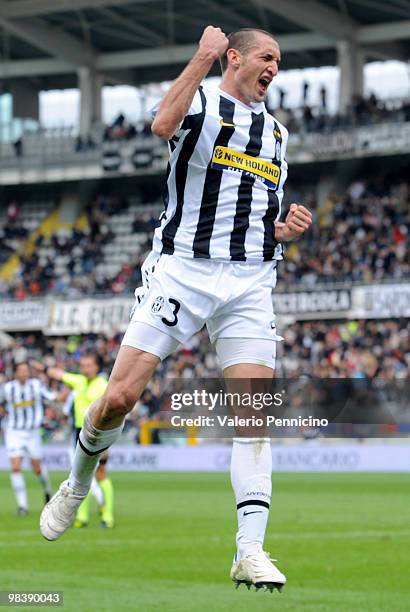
<point>3,403</point>
<point>68,404</point>
<point>47,393</point>
<point>194,112</point>
<point>74,381</point>
<point>285,138</point>
<point>4,396</point>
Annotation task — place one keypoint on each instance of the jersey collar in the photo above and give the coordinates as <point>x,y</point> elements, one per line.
<point>257,107</point>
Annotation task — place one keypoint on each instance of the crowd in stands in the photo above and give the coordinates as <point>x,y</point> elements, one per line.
<point>361,112</point>
<point>122,129</point>
<point>306,118</point>
<point>13,232</point>
<point>83,249</point>
<point>323,349</point>
<point>355,349</point>
<point>360,235</point>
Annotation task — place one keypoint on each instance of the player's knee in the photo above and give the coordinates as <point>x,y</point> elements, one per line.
<point>117,402</point>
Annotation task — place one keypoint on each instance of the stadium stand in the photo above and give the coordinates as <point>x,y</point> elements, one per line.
<point>361,112</point>
<point>362,235</point>
<point>17,221</point>
<point>104,255</point>
<point>41,145</point>
<point>313,348</point>
<point>357,349</point>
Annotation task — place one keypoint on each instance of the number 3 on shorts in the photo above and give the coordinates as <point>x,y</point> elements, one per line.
<point>176,306</point>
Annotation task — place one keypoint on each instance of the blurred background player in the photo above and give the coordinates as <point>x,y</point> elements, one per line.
<point>22,401</point>
<point>87,387</point>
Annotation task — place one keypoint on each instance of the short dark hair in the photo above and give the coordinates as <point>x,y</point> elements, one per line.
<point>242,40</point>
<point>97,359</point>
<point>17,364</point>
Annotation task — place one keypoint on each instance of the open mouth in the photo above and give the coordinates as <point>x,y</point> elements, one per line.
<point>264,83</point>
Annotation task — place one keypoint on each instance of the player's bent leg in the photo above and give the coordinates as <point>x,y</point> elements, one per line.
<point>106,486</point>
<point>251,470</point>
<point>107,516</point>
<point>103,423</point>
<point>82,516</point>
<point>18,485</point>
<point>96,492</point>
<point>41,471</point>
<point>104,420</point>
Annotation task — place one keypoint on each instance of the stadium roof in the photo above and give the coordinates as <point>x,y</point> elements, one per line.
<point>137,41</point>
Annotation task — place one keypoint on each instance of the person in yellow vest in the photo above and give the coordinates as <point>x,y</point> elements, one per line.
<point>87,387</point>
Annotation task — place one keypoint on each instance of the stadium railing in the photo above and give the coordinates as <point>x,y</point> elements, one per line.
<point>42,152</point>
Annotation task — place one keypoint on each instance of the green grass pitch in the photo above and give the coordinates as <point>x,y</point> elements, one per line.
<point>343,541</point>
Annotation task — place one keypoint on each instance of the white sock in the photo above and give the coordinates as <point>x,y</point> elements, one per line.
<point>97,492</point>
<point>91,443</point>
<point>251,477</point>
<point>19,488</point>
<point>45,480</point>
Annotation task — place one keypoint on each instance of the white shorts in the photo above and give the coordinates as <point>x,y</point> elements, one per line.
<point>180,295</point>
<point>20,443</point>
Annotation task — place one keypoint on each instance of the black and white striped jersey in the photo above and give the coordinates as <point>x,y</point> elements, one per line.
<point>224,183</point>
<point>25,403</point>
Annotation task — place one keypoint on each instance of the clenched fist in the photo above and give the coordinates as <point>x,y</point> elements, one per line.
<point>297,221</point>
<point>213,41</point>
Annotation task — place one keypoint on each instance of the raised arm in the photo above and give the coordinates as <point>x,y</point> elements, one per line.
<point>74,381</point>
<point>51,372</point>
<point>176,102</point>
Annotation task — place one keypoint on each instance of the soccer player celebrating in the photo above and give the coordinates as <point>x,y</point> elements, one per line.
<point>88,386</point>
<point>213,261</point>
<point>23,400</point>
